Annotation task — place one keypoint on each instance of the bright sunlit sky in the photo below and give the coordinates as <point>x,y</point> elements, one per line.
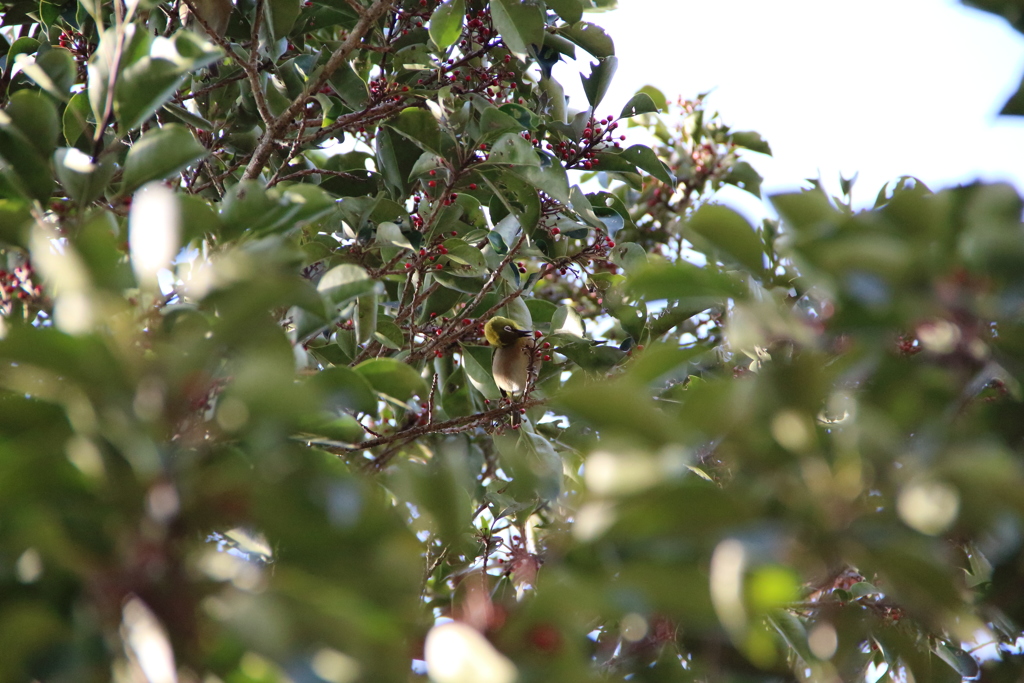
<point>882,88</point>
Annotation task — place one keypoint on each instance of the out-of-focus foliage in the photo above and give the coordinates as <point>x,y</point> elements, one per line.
<point>248,430</point>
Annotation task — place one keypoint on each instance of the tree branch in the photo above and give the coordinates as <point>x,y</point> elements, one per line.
<point>275,127</point>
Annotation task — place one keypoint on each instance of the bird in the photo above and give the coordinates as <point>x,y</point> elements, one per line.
<point>513,356</point>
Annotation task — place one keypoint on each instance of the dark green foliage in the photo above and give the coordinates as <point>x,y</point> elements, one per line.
<point>246,410</point>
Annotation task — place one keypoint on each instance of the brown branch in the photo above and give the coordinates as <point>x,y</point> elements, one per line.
<point>453,426</point>
<point>274,128</point>
<point>458,328</point>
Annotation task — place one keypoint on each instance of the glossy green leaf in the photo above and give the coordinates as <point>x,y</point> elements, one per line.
<point>393,378</point>
<point>420,127</point>
<point>513,150</point>
<point>548,176</point>
<point>600,79</point>
<point>158,154</point>
<point>281,16</point>
<point>55,71</point>
<point>83,180</point>
<point>640,103</point>
<point>468,259</point>
<point>446,23</point>
<point>477,364</point>
<point>345,282</point>
<point>77,121</point>
<point>645,159</point>
<point>571,11</point>
<point>350,86</point>
<point>35,116</point>
<point>390,233</point>
<point>523,116</point>
<point>27,169</point>
<point>520,24</point>
<point>591,38</point>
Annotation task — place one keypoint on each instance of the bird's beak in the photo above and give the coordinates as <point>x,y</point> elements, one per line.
<point>524,333</point>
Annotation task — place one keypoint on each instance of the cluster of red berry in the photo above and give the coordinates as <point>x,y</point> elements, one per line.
<point>426,256</point>
<point>597,136</point>
<point>18,285</point>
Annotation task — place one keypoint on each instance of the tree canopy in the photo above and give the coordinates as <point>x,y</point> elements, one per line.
<point>248,428</point>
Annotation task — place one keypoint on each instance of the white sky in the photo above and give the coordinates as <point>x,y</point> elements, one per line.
<point>880,87</point>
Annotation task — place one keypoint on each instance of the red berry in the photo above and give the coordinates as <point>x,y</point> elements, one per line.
<point>472,186</point>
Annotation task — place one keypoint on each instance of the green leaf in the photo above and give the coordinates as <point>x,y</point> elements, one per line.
<point>658,97</point>
<point>150,82</point>
<point>393,378</point>
<point>420,127</point>
<point>446,23</point>
<point>83,180</point>
<point>389,334</point>
<point>645,159</point>
<point>591,356</point>
<point>345,282</point>
<point>521,24</point>
<point>571,11</point>
<point>523,116</point>
<point>752,141</point>
<point>549,177</point>
<point>35,116</point>
<point>513,150</point>
<point>684,281</point>
<point>476,360</point>
<point>591,38</point>
<point>55,71</point>
<point>494,123</point>
<point>515,196</point>
<point>465,255</point>
<point>618,406</point>
<point>961,662</point>
<point>77,121</point>
<point>581,205</point>
<point>805,211</point>
<point>188,118</point>
<point>350,86</point>
<point>160,153</point>
<point>281,16</point>
<point>630,256</point>
<point>28,170</point>
<point>743,176</point>
<point>640,103</point>
<point>731,233</point>
<point>596,85</point>
<point>345,389</point>
<point>390,233</point>
<point>793,632</point>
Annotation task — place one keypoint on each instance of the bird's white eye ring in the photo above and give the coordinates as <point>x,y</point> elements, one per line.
<point>508,328</point>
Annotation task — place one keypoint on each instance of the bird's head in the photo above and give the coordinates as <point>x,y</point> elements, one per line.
<point>502,332</point>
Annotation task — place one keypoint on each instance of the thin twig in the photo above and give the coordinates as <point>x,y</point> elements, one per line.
<point>458,327</point>
<point>274,127</point>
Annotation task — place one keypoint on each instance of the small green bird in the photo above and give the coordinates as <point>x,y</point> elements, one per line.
<point>513,355</point>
